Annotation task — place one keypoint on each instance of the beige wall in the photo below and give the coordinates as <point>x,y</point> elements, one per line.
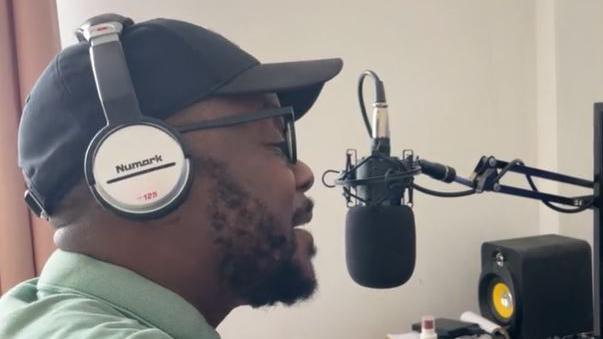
<point>570,80</point>
<point>580,83</point>
<point>464,79</point>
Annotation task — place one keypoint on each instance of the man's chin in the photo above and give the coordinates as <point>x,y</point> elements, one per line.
<point>294,280</point>
<point>297,287</point>
<point>305,251</point>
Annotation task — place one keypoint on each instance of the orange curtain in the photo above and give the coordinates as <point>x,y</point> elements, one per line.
<point>29,38</point>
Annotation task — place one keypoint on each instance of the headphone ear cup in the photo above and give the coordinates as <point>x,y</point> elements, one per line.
<point>139,170</point>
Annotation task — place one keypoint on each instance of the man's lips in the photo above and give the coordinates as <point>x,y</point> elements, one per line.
<point>302,219</point>
<point>303,215</point>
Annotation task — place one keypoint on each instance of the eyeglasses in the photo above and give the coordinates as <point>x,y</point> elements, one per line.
<point>288,147</point>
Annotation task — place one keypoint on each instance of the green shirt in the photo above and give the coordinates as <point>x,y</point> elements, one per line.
<point>77,296</point>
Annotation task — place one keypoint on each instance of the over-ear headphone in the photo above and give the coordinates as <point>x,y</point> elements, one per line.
<point>135,166</point>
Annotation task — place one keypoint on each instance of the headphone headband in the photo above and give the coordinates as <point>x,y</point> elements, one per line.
<point>113,82</point>
<point>98,20</point>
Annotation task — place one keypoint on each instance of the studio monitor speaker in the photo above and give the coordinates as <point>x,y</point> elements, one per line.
<point>537,287</point>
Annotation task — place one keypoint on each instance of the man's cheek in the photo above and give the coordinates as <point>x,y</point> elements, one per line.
<point>284,191</point>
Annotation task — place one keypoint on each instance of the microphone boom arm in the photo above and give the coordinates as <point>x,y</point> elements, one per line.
<point>485,178</point>
<point>489,171</point>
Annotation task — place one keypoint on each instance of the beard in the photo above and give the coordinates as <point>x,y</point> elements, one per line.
<point>259,260</point>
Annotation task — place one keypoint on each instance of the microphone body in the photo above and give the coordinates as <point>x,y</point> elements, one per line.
<point>380,225</point>
<point>380,231</point>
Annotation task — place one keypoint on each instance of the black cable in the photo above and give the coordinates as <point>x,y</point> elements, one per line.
<point>505,169</point>
<point>557,208</point>
<point>548,204</point>
<point>443,194</point>
<point>380,97</point>
<point>367,124</point>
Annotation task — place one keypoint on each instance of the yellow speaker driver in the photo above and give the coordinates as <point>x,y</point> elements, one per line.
<point>502,300</point>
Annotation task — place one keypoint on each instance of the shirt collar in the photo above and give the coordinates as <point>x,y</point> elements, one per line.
<point>128,291</point>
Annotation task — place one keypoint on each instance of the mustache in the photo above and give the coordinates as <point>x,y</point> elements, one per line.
<point>303,214</point>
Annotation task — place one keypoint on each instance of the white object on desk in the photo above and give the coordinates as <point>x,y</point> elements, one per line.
<point>415,335</point>
<point>409,335</point>
<point>484,323</point>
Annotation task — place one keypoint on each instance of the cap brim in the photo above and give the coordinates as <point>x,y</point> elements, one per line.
<point>297,84</point>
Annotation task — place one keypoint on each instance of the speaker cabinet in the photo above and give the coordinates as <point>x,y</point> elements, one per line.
<point>537,287</point>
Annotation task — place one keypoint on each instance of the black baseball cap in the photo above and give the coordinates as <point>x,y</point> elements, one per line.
<point>173,64</point>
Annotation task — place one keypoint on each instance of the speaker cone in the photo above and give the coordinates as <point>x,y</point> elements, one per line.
<point>502,303</point>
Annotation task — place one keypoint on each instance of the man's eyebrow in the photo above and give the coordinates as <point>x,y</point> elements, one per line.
<point>269,104</point>
<point>279,122</point>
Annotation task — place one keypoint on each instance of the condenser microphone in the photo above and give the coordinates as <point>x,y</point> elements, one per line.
<point>380,230</point>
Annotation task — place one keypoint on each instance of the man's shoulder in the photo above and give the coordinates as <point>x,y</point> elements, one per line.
<point>26,312</point>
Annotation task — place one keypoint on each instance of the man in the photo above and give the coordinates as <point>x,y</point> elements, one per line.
<point>233,239</point>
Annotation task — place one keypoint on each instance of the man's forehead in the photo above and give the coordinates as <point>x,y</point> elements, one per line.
<point>218,107</point>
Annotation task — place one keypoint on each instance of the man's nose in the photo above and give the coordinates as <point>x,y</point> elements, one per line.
<point>304,178</point>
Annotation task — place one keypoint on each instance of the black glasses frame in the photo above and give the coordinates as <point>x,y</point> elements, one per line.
<point>286,113</point>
